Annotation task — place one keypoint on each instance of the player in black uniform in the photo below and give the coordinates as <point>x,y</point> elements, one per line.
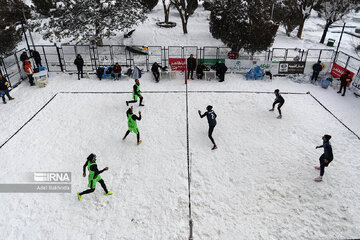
<point>211,117</point>
<point>280,100</point>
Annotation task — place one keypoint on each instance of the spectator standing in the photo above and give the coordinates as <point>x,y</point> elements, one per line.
<point>37,58</point>
<point>29,71</point>
<point>24,57</point>
<point>221,70</point>
<point>155,70</point>
<point>4,88</point>
<point>317,68</point>
<point>79,62</point>
<point>345,80</point>
<point>191,65</point>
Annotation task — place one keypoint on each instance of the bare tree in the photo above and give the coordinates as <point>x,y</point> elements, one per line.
<point>332,11</point>
<point>166,5</point>
<point>304,8</point>
<point>185,8</point>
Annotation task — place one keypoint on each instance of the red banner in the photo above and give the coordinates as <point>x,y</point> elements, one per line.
<point>338,70</point>
<point>177,64</point>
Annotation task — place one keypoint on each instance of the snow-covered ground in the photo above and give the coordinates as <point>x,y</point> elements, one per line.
<point>257,185</point>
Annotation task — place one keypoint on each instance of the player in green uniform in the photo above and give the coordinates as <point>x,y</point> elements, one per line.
<point>94,176</point>
<point>136,94</point>
<point>132,124</point>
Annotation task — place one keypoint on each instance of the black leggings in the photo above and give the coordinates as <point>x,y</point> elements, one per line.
<point>156,75</point>
<point>137,135</point>
<point>211,129</point>
<point>323,164</point>
<point>134,101</point>
<point>93,189</point>
<point>279,106</point>
<point>341,87</point>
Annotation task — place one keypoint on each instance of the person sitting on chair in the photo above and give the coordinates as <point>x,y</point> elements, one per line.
<point>117,71</point>
<point>200,71</point>
<point>155,70</point>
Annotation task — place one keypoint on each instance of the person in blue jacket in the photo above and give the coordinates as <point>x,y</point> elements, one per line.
<point>326,157</point>
<point>317,68</point>
<point>211,117</point>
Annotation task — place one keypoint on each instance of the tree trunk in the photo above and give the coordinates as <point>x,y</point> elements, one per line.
<point>184,25</point>
<point>301,27</point>
<point>166,11</point>
<point>326,28</point>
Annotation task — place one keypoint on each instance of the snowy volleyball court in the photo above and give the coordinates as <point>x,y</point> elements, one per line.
<point>259,183</point>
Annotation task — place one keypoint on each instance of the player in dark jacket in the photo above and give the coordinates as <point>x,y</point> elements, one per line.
<point>132,125</point>
<point>79,62</point>
<point>278,100</point>
<point>211,117</point>
<point>23,58</point>
<point>316,70</point>
<point>136,94</point>
<point>326,157</point>
<point>345,80</point>
<point>191,65</point>
<point>200,71</point>
<point>221,70</point>
<point>94,176</point>
<point>4,88</point>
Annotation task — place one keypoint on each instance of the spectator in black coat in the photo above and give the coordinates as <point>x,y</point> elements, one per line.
<point>221,70</point>
<point>79,62</point>
<point>155,70</point>
<point>317,69</point>
<point>191,65</point>
<point>100,72</point>
<point>4,88</point>
<point>200,71</point>
<point>24,57</point>
<point>37,58</point>
<point>345,80</point>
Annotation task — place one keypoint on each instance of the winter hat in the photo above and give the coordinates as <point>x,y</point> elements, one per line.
<point>327,137</point>
<point>209,108</point>
<point>91,157</point>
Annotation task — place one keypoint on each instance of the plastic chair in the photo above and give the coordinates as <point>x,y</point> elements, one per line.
<point>41,68</point>
<point>250,73</point>
<point>325,83</point>
<point>259,73</point>
<point>108,72</point>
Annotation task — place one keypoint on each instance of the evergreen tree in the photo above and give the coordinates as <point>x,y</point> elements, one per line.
<point>149,4</point>
<point>285,13</point>
<point>11,15</point>
<point>332,11</point>
<point>243,24</point>
<point>80,21</point>
<point>43,7</point>
<point>186,8</point>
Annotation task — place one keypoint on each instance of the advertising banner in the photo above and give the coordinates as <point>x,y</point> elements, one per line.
<point>177,64</point>
<point>291,67</point>
<point>338,70</point>
<point>238,66</point>
<point>209,62</point>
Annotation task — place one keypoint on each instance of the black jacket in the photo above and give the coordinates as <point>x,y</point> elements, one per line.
<point>200,69</point>
<point>24,57</point>
<point>221,68</point>
<point>155,68</point>
<point>2,84</point>
<point>36,55</point>
<point>317,67</point>
<point>79,62</point>
<point>191,63</point>
<point>343,79</point>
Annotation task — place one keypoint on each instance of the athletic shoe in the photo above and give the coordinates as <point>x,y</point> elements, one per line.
<point>317,167</point>
<point>4,102</point>
<point>124,139</point>
<point>338,92</point>
<point>79,196</point>
<point>279,117</point>
<point>109,193</point>
<point>11,98</point>
<point>271,110</point>
<point>141,105</point>
<point>214,147</point>
<point>139,142</point>
<point>318,179</point>
<point>343,95</point>
<point>127,103</point>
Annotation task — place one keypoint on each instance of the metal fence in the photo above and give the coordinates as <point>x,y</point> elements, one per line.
<point>61,58</point>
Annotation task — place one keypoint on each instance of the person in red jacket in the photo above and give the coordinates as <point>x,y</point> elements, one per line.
<point>116,71</point>
<point>29,71</point>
